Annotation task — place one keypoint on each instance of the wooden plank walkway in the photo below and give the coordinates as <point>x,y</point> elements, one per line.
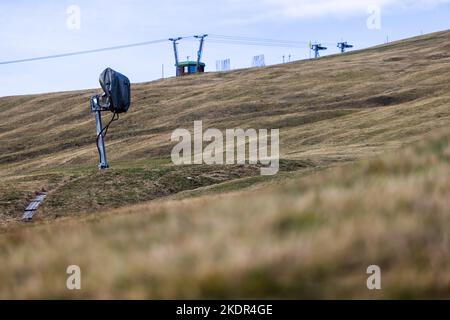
<point>33,206</point>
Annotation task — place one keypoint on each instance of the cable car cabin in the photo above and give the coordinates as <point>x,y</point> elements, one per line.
<point>189,67</point>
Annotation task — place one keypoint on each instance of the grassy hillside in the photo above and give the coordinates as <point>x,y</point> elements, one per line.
<point>302,233</point>
<point>311,238</point>
<point>362,103</point>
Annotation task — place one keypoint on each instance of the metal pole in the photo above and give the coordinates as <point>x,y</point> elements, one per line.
<point>175,51</point>
<point>200,50</point>
<point>176,57</point>
<point>101,142</point>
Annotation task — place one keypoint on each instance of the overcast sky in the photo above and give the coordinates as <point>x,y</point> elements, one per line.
<point>32,28</point>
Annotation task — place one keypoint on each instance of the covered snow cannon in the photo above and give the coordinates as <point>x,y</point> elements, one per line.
<point>116,98</point>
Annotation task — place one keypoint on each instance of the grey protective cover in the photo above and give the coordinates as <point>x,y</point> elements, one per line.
<point>117,88</point>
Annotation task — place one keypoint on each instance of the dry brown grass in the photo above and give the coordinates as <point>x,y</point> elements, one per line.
<point>309,238</point>
<point>365,102</point>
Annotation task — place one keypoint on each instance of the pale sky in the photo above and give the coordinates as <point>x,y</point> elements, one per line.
<point>31,28</point>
